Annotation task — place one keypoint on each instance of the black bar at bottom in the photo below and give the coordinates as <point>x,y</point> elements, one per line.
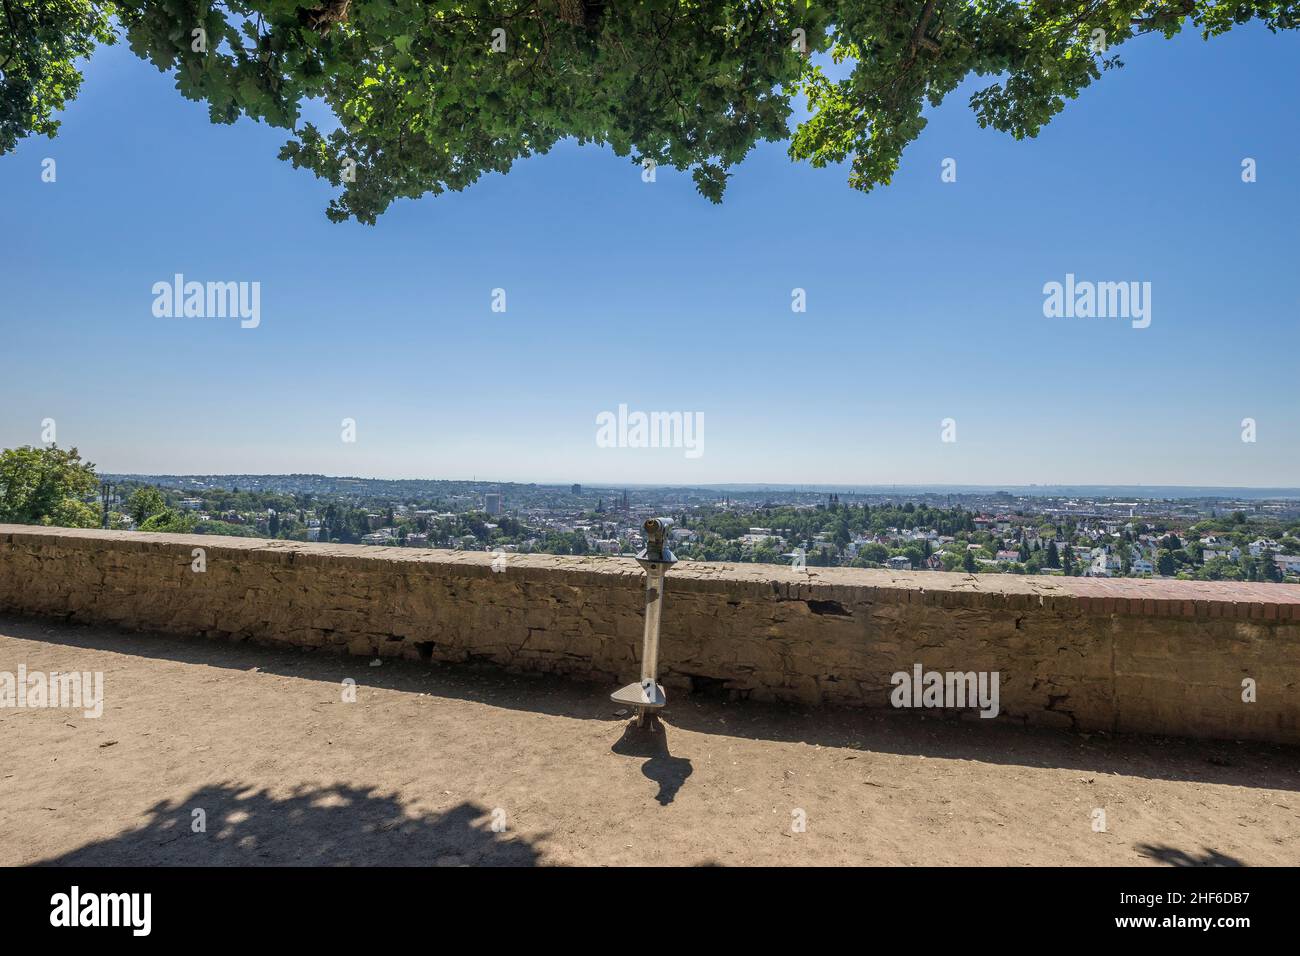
<point>328,905</point>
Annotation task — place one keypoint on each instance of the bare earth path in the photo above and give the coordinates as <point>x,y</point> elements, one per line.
<point>417,770</point>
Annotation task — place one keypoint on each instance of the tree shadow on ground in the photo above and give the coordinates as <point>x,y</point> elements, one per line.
<point>1175,857</point>
<point>881,730</point>
<point>337,825</point>
<point>651,741</point>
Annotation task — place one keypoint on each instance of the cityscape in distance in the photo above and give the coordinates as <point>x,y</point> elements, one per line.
<point>1198,533</point>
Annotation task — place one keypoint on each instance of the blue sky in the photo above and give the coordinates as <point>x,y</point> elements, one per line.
<point>924,299</point>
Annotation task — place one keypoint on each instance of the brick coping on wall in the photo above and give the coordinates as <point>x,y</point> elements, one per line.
<point>1226,600</point>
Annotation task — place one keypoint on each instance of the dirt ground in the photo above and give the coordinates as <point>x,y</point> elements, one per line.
<point>442,766</point>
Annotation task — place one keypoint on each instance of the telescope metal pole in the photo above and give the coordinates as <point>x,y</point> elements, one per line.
<point>646,696</point>
<point>654,602</point>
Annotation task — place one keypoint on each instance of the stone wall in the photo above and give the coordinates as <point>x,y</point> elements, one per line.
<point>1125,655</point>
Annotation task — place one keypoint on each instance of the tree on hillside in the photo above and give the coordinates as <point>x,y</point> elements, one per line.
<point>171,521</point>
<point>47,486</point>
<point>430,95</point>
<point>144,503</point>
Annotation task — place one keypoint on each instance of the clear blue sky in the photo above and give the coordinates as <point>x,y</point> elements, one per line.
<point>924,299</point>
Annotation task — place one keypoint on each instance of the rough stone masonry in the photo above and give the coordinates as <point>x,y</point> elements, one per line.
<point>1167,657</point>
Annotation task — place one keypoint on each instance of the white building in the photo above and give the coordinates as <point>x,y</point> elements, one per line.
<point>1257,548</point>
<point>1104,564</point>
<point>1232,553</point>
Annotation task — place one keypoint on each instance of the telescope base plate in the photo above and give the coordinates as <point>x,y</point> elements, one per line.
<point>640,695</point>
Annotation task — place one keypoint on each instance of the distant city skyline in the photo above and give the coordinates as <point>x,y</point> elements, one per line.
<point>925,300</point>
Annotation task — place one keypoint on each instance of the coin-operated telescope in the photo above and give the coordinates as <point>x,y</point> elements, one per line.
<point>646,696</point>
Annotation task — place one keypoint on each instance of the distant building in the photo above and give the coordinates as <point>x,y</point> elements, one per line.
<point>1232,553</point>
<point>900,563</point>
<point>1257,548</point>
<point>492,503</point>
<point>1289,563</point>
<point>1104,564</point>
<point>575,490</point>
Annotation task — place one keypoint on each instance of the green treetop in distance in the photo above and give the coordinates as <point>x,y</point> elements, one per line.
<point>144,503</point>
<point>430,94</point>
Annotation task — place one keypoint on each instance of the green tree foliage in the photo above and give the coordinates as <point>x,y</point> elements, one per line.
<point>428,97</point>
<point>1268,569</point>
<point>873,553</point>
<point>564,542</point>
<point>40,44</point>
<point>47,486</point>
<point>1165,564</point>
<point>144,503</point>
<point>1221,569</point>
<point>168,521</point>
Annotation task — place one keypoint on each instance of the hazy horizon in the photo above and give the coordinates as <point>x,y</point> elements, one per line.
<point>1105,490</point>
